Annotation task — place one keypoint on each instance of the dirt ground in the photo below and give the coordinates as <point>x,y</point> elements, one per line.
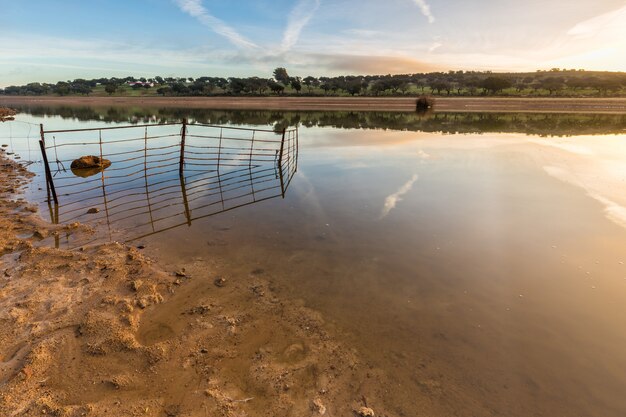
<point>106,331</point>
<point>451,104</point>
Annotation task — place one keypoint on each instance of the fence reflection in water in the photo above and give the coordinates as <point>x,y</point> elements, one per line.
<point>164,176</point>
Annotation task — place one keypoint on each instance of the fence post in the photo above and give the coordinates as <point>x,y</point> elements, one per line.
<point>183,133</point>
<point>49,183</point>
<point>183,190</point>
<point>280,164</point>
<point>297,149</point>
<point>282,147</point>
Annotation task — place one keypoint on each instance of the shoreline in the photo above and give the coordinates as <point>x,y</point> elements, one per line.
<point>108,330</point>
<point>392,104</point>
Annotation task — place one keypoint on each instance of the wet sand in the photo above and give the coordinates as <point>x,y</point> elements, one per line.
<point>105,330</point>
<point>451,104</point>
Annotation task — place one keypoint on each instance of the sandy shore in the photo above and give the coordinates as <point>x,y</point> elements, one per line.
<point>107,331</point>
<point>452,104</point>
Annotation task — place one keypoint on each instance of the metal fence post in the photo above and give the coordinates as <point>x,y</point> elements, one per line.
<point>183,133</point>
<point>280,164</point>
<point>282,147</point>
<point>49,182</point>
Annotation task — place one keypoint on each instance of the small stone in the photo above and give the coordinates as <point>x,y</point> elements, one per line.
<point>40,234</point>
<point>135,285</point>
<point>4,145</point>
<point>141,246</point>
<point>220,282</point>
<point>366,412</point>
<point>181,273</point>
<point>93,210</point>
<point>319,407</point>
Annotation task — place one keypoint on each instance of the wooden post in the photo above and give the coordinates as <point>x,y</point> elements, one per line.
<point>183,133</point>
<point>49,183</point>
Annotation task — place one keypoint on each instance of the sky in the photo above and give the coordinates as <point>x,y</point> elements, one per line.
<point>52,40</point>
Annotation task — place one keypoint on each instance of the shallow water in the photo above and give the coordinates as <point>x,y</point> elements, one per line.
<point>484,271</point>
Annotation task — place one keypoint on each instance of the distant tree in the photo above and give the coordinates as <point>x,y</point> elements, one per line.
<point>379,87</point>
<point>159,79</point>
<point>310,82</point>
<point>164,90</point>
<point>281,76</point>
<point>296,84</point>
<point>237,85</point>
<point>354,87</point>
<point>325,86</point>
<point>552,84</point>
<point>605,85</point>
<point>180,89</point>
<point>258,84</point>
<point>110,88</point>
<point>61,88</point>
<point>495,84</point>
<point>276,88</point>
<point>439,85</point>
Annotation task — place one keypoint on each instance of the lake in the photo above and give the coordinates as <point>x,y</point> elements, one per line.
<point>478,259</point>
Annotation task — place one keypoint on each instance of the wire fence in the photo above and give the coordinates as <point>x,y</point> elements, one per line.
<point>163,176</point>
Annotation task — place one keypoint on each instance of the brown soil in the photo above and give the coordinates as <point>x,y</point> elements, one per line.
<point>106,331</point>
<point>451,104</point>
<point>6,114</point>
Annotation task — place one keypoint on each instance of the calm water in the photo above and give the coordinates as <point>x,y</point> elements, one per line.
<point>478,259</point>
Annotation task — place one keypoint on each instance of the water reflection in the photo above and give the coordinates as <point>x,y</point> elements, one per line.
<point>147,191</point>
<point>542,124</point>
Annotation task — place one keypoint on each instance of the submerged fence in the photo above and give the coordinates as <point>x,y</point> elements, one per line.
<point>163,176</point>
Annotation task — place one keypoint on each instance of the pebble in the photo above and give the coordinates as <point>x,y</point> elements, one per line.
<point>220,282</point>
<point>93,210</point>
<point>319,406</point>
<point>365,412</point>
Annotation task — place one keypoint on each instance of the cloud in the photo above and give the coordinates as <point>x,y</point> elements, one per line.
<point>393,199</point>
<point>425,8</point>
<point>299,17</point>
<point>591,27</point>
<point>435,45</point>
<point>367,64</point>
<point>195,9</point>
<point>363,33</point>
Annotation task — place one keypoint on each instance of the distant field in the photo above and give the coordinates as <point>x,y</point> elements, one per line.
<point>457,104</point>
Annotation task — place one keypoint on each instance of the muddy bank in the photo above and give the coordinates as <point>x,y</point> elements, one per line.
<point>447,104</point>
<point>105,330</point>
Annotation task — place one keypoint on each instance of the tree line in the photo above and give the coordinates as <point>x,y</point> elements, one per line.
<point>555,82</point>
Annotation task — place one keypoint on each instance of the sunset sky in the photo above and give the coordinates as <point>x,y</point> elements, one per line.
<point>47,41</point>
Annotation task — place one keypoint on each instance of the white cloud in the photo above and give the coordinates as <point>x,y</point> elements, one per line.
<point>364,33</point>
<point>393,199</point>
<point>299,17</point>
<point>195,9</point>
<point>435,45</point>
<point>425,8</point>
<point>591,27</point>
